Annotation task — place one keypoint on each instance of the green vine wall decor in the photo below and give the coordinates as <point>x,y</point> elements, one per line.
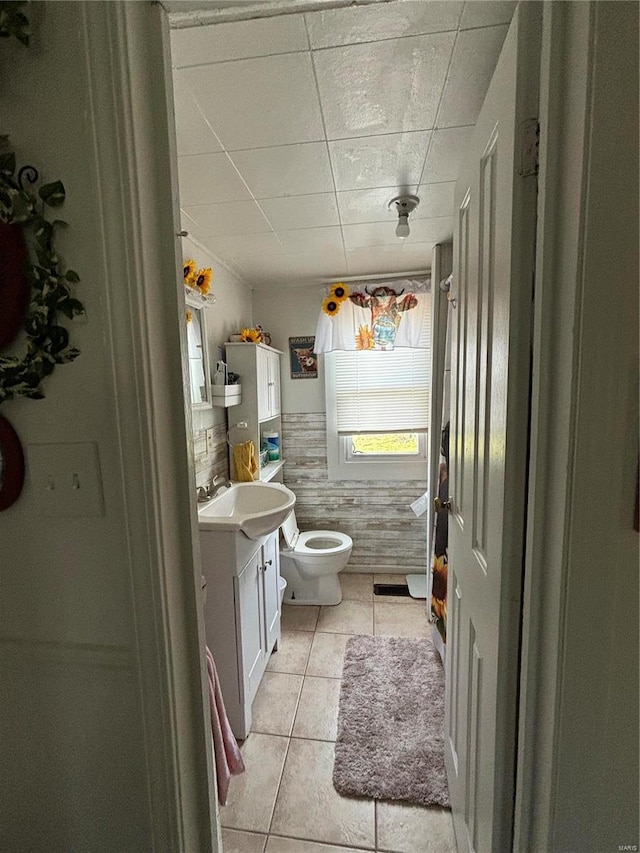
<point>13,21</point>
<point>49,285</point>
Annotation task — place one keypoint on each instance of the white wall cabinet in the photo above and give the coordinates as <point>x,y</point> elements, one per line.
<point>259,369</point>
<point>242,615</point>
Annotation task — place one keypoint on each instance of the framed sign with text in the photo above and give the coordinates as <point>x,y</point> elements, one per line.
<point>303,360</point>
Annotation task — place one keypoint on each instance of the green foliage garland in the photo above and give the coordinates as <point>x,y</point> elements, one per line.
<point>47,341</point>
<point>13,22</point>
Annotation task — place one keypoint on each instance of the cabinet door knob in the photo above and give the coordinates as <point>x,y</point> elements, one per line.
<point>268,563</point>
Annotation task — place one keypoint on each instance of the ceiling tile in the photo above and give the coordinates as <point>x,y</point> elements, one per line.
<point>303,211</point>
<point>260,247</point>
<point>376,261</point>
<point>369,234</point>
<point>417,256</point>
<point>435,200</point>
<point>448,147</point>
<point>311,240</point>
<point>317,263</point>
<point>487,14</point>
<point>286,170</point>
<point>439,230</point>
<point>385,21</point>
<point>474,60</point>
<point>382,87</point>
<point>232,217</point>
<point>368,205</point>
<point>238,40</point>
<point>194,136</point>
<point>378,161</point>
<point>253,103</point>
<point>209,177</point>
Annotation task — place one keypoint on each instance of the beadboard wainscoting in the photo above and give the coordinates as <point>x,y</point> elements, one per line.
<point>387,536</point>
<point>216,462</point>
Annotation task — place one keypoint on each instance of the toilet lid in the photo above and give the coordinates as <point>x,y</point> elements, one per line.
<point>290,530</point>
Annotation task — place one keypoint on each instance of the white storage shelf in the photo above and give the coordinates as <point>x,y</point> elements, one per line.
<point>258,367</point>
<point>226,395</point>
<point>269,471</point>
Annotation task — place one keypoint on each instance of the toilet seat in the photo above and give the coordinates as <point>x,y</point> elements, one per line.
<point>339,542</point>
<point>331,541</point>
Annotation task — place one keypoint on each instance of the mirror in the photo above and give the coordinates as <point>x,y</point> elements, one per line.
<point>199,376</point>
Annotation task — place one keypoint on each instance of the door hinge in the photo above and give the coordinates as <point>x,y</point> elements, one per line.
<point>529,147</point>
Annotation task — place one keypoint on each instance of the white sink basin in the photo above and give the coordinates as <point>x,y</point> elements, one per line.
<point>254,509</point>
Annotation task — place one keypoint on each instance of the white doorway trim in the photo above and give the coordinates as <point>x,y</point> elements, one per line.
<point>563,112</point>
<point>586,280</point>
<point>132,115</point>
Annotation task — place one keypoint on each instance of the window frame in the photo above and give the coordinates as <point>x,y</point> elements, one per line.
<point>342,466</point>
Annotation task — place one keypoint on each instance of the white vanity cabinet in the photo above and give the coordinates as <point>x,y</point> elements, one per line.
<point>242,615</point>
<point>259,369</point>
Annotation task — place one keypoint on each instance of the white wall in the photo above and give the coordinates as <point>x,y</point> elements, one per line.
<point>598,737</point>
<point>578,739</point>
<point>288,312</point>
<point>80,700</point>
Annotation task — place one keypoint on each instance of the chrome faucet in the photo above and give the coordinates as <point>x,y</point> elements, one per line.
<point>203,493</point>
<point>212,488</point>
<point>218,483</point>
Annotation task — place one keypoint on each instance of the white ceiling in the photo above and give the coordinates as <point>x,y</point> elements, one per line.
<point>295,131</point>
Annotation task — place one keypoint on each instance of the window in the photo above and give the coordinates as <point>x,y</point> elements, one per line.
<point>378,406</point>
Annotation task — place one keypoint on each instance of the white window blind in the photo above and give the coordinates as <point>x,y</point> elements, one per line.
<point>382,391</point>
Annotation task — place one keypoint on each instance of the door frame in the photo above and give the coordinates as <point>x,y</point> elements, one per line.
<point>129,85</point>
<point>132,116</point>
<point>568,116</point>
<point>566,53</point>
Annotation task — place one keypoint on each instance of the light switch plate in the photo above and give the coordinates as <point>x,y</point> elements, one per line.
<point>210,440</point>
<point>65,479</point>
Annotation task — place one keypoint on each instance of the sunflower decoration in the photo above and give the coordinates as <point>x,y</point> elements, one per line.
<point>364,338</point>
<point>202,280</point>
<point>251,336</point>
<point>189,272</point>
<point>337,295</point>
<point>339,292</point>
<point>331,306</point>
<point>439,588</point>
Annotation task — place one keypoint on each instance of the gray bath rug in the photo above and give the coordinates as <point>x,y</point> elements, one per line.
<point>390,742</point>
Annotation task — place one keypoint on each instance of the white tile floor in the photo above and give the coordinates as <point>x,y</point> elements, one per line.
<point>285,802</point>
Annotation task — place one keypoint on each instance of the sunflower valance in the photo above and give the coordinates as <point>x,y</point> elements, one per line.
<point>375,317</point>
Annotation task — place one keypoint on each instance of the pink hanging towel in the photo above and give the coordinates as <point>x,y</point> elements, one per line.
<point>225,747</point>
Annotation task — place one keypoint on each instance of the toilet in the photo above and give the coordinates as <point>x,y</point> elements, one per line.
<point>310,563</point>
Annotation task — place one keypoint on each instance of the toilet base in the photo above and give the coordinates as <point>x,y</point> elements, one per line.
<point>322,590</point>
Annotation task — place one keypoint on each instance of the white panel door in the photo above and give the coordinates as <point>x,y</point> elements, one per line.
<point>493,278</point>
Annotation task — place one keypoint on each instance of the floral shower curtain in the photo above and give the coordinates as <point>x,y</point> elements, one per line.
<point>441,545</point>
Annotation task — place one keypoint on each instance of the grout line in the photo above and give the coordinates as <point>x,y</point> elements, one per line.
<point>318,843</point>
<point>295,710</point>
<point>319,141</point>
<point>278,786</point>
<point>321,48</point>
<point>326,142</point>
